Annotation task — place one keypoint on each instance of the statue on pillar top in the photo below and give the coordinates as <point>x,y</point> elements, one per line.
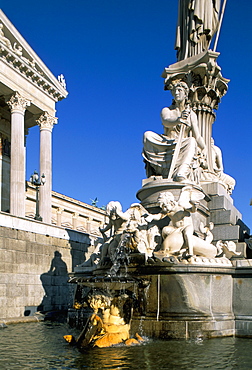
<point>198,21</point>
<point>184,151</point>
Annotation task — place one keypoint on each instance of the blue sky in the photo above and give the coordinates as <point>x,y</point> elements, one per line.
<point>112,54</point>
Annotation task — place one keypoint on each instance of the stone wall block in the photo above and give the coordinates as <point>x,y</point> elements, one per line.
<point>13,311</point>
<point>214,188</point>
<point>8,244</point>
<point>4,312</point>
<point>3,290</point>
<point>220,217</point>
<point>220,202</point>
<point>22,301</point>
<point>36,301</point>
<point>42,249</point>
<point>10,268</point>
<point>3,303</point>
<point>25,235</point>
<point>65,253</point>
<point>62,243</point>
<point>43,239</point>
<point>41,260</point>
<point>2,244</point>
<point>23,279</point>
<point>31,247</point>
<point>8,233</point>
<point>221,286</point>
<point>14,291</point>
<point>242,296</point>
<point>5,278</point>
<point>226,232</point>
<point>24,268</point>
<point>243,327</point>
<point>21,257</point>
<point>61,280</point>
<point>39,293</point>
<point>30,258</point>
<point>3,255</point>
<point>32,290</point>
<point>18,245</point>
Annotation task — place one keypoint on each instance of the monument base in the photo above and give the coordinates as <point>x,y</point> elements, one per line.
<point>217,207</point>
<point>181,301</point>
<point>187,302</point>
<point>185,329</point>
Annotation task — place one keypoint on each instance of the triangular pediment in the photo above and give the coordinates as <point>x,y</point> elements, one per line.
<point>18,54</point>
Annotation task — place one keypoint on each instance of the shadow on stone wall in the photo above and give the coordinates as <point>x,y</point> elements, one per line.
<point>54,282</point>
<point>58,293</point>
<point>81,247</point>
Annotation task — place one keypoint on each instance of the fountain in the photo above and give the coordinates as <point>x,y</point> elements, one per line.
<point>171,266</point>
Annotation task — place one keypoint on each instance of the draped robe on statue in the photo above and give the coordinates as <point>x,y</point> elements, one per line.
<point>159,149</point>
<point>197,23</point>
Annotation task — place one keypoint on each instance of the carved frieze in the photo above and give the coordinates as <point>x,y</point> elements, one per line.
<point>13,55</point>
<point>4,39</point>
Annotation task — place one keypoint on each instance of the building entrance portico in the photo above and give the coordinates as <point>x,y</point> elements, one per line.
<point>28,93</point>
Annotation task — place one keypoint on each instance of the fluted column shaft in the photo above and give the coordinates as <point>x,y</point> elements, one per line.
<point>17,105</point>
<point>46,123</point>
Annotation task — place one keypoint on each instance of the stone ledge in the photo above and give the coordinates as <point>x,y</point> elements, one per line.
<point>32,226</point>
<point>19,320</point>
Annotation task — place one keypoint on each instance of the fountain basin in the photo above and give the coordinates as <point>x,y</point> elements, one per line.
<point>173,301</point>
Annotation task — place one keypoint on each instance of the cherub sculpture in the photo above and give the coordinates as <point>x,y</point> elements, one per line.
<point>178,235</point>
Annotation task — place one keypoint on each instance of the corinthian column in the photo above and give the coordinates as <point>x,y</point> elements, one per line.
<point>46,122</point>
<point>17,105</point>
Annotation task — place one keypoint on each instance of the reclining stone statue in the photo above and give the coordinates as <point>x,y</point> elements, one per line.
<point>178,235</point>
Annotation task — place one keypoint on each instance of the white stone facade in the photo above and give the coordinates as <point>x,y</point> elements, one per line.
<point>68,213</point>
<point>28,94</point>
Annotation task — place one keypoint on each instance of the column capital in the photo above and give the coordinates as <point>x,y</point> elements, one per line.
<point>46,121</point>
<point>17,102</point>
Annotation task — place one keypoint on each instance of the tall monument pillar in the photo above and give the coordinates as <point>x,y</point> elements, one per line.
<point>185,154</point>
<point>46,122</point>
<point>17,105</point>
